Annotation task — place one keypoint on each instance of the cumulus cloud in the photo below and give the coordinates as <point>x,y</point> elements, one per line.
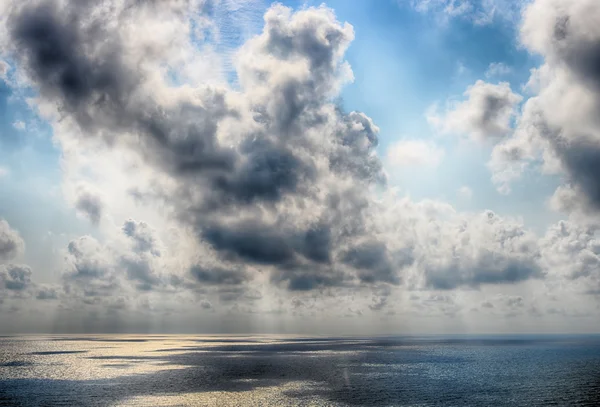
<point>16,277</point>
<point>132,261</point>
<point>483,250</point>
<point>267,187</point>
<point>284,137</point>
<point>11,243</point>
<point>411,153</point>
<point>487,112</point>
<point>559,126</point>
<point>47,293</point>
<point>144,237</point>
<point>572,251</point>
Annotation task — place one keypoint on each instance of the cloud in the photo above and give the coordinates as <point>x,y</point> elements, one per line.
<point>205,304</point>
<point>509,306</point>
<point>11,244</point>
<point>19,125</point>
<point>486,114</point>
<point>465,192</point>
<point>90,205</point>
<point>15,277</point>
<point>573,252</point>
<point>144,237</point>
<point>279,121</point>
<point>253,191</point>
<point>4,68</point>
<point>486,249</point>
<point>45,293</point>
<point>374,262</point>
<point>88,261</point>
<point>479,12</point>
<point>218,276</point>
<point>411,153</point>
<point>559,127</point>
<point>497,69</point>
<point>3,172</point>
<point>94,269</point>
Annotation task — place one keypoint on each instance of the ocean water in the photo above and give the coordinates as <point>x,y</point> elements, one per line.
<point>111,370</point>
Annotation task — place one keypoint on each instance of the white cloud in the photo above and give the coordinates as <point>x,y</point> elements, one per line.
<point>559,130</point>
<point>497,69</point>
<point>4,172</point>
<point>486,113</point>
<point>479,12</point>
<point>11,243</point>
<point>4,67</point>
<point>465,192</point>
<point>414,153</point>
<point>19,125</point>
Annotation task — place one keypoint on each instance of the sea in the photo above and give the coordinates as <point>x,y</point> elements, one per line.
<point>177,370</point>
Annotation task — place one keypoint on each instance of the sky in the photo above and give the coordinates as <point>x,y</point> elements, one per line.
<point>241,166</point>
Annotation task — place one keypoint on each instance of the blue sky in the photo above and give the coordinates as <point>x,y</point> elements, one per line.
<point>489,203</point>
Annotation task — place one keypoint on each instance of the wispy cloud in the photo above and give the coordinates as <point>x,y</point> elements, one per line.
<point>497,69</point>
<point>19,125</point>
<point>414,153</point>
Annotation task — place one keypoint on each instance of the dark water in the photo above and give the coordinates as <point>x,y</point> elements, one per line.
<point>264,371</point>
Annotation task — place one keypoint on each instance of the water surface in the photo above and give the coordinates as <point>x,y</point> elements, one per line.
<point>146,370</point>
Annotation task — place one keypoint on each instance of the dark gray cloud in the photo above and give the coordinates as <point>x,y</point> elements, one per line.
<point>218,276</point>
<point>580,52</point>
<point>489,268</point>
<point>90,205</point>
<point>582,162</point>
<point>374,263</point>
<point>64,56</point>
<point>11,243</point>
<point>271,244</point>
<point>310,277</point>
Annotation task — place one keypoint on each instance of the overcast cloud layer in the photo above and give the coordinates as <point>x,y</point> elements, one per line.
<point>225,207</point>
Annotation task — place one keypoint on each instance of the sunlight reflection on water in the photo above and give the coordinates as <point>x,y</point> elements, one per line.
<point>130,370</point>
